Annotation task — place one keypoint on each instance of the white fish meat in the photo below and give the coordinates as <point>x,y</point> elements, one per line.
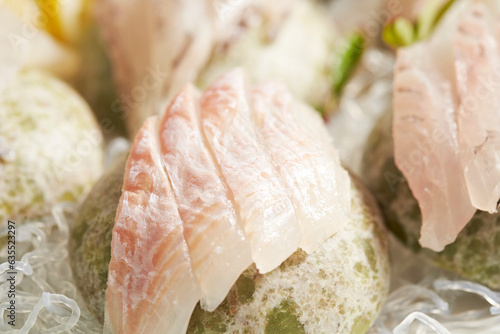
<point>477,64</point>
<point>426,147</point>
<point>156,48</point>
<point>307,169</point>
<point>217,244</point>
<point>265,209</point>
<point>151,284</point>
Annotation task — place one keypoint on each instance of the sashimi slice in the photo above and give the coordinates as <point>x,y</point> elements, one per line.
<point>265,209</point>
<point>151,285</point>
<point>308,170</point>
<point>313,125</point>
<point>217,244</point>
<point>425,135</point>
<point>477,63</point>
<point>426,152</point>
<point>155,47</point>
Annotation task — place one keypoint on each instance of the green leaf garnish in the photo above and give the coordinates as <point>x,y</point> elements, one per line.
<point>349,54</point>
<point>404,31</point>
<point>401,32</point>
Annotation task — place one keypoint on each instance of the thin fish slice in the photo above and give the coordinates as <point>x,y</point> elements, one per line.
<point>426,147</point>
<point>155,48</point>
<point>477,63</point>
<point>217,244</point>
<point>265,209</point>
<point>308,170</point>
<point>151,286</point>
<point>425,136</point>
<point>313,125</point>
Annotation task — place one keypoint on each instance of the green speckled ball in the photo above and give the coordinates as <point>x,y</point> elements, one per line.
<point>50,146</point>
<point>90,245</point>
<point>340,288</point>
<point>475,254</point>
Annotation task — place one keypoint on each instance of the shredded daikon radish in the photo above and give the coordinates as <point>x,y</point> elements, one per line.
<point>46,299</point>
<point>404,326</point>
<point>490,296</point>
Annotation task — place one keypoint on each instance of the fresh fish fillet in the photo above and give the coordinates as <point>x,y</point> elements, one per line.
<point>151,285</point>
<point>477,63</point>
<point>308,170</point>
<point>313,125</point>
<point>425,137</point>
<point>155,47</point>
<point>265,209</point>
<point>217,244</point>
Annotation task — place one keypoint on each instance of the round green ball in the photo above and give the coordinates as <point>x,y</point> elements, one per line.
<point>51,147</point>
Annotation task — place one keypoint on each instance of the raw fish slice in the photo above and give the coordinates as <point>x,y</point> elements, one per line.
<point>155,48</point>
<point>426,152</point>
<point>313,125</point>
<point>478,79</point>
<point>151,286</point>
<point>309,172</point>
<point>425,135</point>
<point>217,243</point>
<point>266,211</point>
